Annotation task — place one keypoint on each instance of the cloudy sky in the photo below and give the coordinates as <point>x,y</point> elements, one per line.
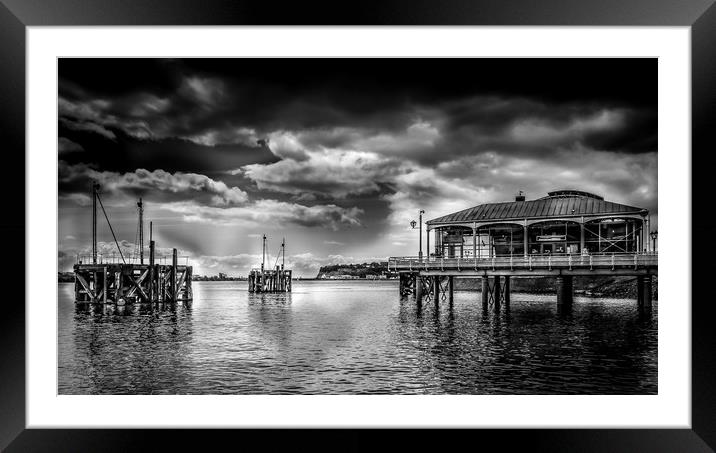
<point>338,155</point>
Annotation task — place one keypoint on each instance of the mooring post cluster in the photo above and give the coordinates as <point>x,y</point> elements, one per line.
<point>277,280</point>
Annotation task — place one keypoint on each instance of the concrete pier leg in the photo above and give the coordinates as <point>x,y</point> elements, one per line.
<point>646,285</point>
<point>507,291</point>
<point>640,290</point>
<point>436,283</point>
<point>496,292</point>
<point>565,290</point>
<point>450,288</point>
<point>485,292</point>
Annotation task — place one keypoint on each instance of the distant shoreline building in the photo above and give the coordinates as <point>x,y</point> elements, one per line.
<point>563,222</point>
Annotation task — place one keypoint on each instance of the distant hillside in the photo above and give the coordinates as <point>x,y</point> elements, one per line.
<point>366,270</point>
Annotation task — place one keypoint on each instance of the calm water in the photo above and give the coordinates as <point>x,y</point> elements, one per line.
<point>355,337</point>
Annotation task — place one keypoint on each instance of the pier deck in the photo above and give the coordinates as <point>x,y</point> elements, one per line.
<point>538,266</point>
<point>431,276</point>
<point>120,283</point>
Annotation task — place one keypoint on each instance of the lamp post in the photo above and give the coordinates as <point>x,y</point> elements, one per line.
<point>653,235</point>
<point>420,233</point>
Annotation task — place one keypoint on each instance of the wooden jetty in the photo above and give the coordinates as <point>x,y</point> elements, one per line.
<point>120,283</point>
<point>116,281</point>
<point>277,280</point>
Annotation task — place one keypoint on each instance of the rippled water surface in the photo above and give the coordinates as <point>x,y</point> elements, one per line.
<point>352,338</point>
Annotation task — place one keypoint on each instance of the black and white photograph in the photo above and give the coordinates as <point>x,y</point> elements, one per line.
<point>352,226</point>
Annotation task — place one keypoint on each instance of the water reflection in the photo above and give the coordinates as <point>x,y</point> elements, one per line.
<point>128,349</point>
<point>356,338</point>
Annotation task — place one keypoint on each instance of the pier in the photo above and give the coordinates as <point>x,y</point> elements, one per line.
<point>124,280</point>
<point>434,277</point>
<point>121,283</point>
<point>276,280</point>
<point>566,234</point>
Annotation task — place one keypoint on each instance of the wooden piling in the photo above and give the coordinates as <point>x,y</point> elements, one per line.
<point>151,267</point>
<point>496,293</point>
<point>173,279</point>
<point>485,292</point>
<point>119,277</point>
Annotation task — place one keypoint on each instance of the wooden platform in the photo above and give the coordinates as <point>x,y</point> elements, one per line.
<point>119,283</point>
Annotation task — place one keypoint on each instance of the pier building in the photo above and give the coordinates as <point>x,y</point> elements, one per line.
<point>564,234</point>
<point>561,223</point>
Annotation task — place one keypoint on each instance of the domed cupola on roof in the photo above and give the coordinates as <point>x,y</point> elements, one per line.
<point>566,193</point>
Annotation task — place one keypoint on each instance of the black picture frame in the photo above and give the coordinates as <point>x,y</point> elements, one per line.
<point>16,15</point>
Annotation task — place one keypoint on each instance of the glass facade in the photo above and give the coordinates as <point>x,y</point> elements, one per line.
<point>554,237</point>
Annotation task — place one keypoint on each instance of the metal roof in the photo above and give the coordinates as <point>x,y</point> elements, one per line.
<point>557,204</point>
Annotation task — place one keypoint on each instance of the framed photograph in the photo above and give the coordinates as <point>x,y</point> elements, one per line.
<point>237,217</point>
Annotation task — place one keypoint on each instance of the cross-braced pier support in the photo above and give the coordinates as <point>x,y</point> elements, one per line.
<point>121,283</point>
<point>407,284</point>
<point>496,292</point>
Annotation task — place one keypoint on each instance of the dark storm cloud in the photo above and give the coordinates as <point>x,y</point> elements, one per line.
<point>236,100</point>
<point>170,154</point>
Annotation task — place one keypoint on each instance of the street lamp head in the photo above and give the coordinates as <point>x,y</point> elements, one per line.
<point>422,211</point>
<point>654,234</point>
<point>413,223</point>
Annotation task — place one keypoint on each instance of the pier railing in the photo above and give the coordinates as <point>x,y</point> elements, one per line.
<point>182,260</point>
<point>521,262</point>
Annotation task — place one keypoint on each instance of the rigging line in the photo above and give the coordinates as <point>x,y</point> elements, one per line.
<point>277,255</point>
<point>111,229</point>
<point>268,256</point>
